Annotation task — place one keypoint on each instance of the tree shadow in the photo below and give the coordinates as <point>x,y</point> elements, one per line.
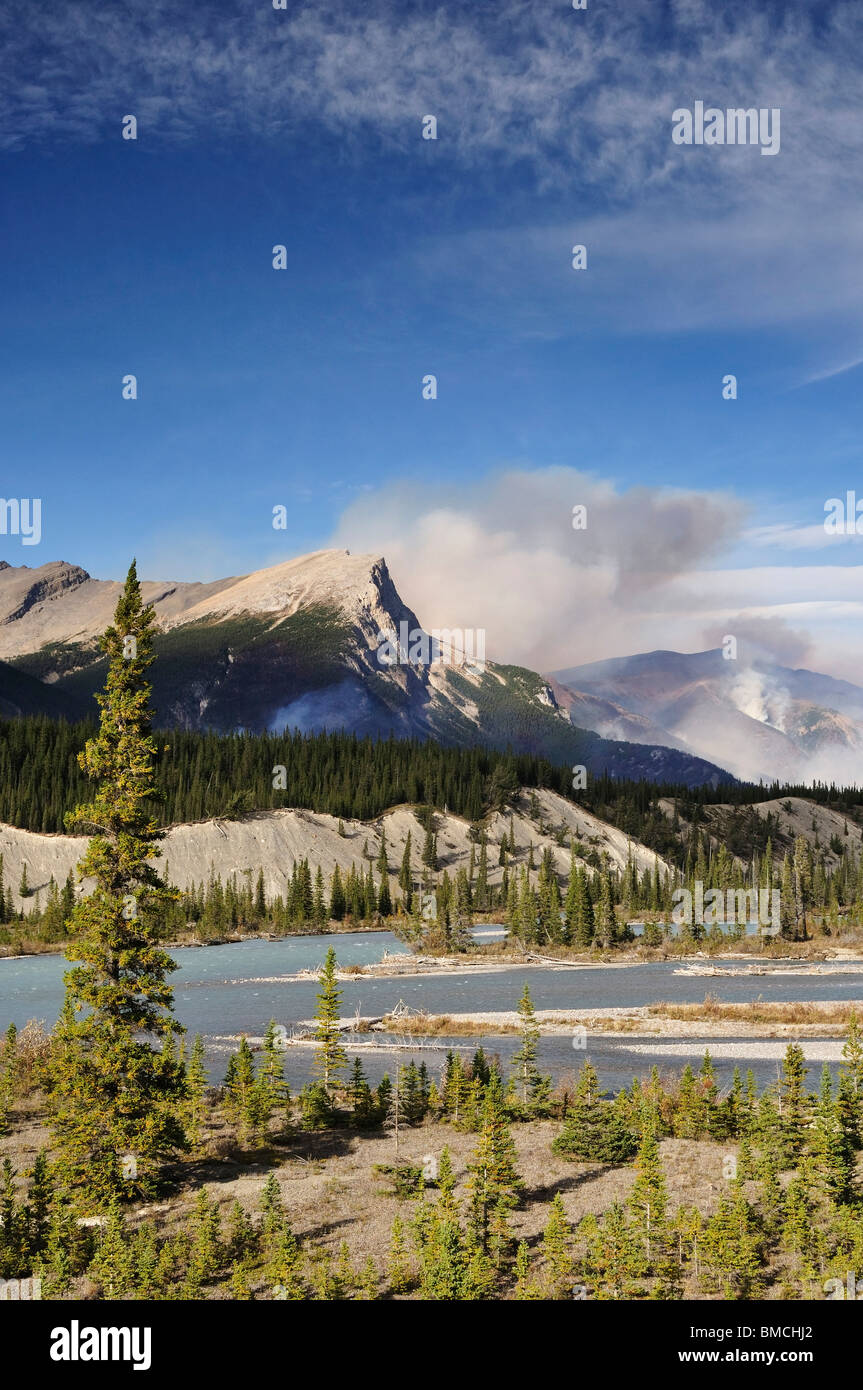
<point>572,1182</point>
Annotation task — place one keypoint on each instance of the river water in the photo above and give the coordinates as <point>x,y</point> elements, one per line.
<point>223,991</point>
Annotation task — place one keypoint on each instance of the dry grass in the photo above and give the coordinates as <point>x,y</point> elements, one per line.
<point>441,1025</point>
<point>756,1011</point>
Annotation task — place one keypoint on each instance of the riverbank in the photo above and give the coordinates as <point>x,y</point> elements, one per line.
<point>802,958</point>
<point>826,1018</point>
<point>58,948</point>
<point>821,1019</point>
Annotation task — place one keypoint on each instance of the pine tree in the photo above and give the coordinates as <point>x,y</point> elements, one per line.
<point>8,1074</point>
<point>526,1287</point>
<point>242,1239</point>
<point>729,1246</point>
<point>385,902</point>
<point>797,1229</point>
<point>338,904</point>
<point>851,1071</point>
<point>196,1083</point>
<point>606,920</point>
<point>112,1264</point>
<point>112,1092</point>
<point>429,854</point>
<point>284,1263</point>
<point>454,1087</point>
<point>494,1184</point>
<point>273,1067</point>
<point>206,1251</point>
<point>405,872</point>
<point>319,901</point>
<point>240,1282</point>
<point>481,894</point>
<point>343,1272</point>
<point>614,1258</point>
<point>330,1056</point>
<point>595,1132</point>
<point>272,1206</point>
<point>239,1081</point>
<point>445,1273</point>
<point>830,1145</point>
<point>556,1248</point>
<point>398,1267</point>
<point>688,1116</point>
<point>531,1086</point>
<point>382,861</point>
<point>40,1200</point>
<point>368,1282</point>
<point>649,1197</point>
<point>583,926</point>
<point>359,1094</point>
<point>795,1102</point>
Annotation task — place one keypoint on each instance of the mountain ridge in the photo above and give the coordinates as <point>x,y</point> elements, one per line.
<point>766,721</point>
<point>297,645</point>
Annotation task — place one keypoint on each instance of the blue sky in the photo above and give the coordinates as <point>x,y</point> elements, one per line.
<point>451,257</point>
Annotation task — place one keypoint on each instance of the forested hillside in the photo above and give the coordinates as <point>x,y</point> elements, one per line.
<point>206,774</point>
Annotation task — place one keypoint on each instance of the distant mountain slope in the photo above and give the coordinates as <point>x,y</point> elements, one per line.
<point>759,719</point>
<point>296,646</point>
<point>22,694</point>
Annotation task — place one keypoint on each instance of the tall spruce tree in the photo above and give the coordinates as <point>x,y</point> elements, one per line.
<point>528,1084</point>
<point>330,1056</point>
<point>494,1183</point>
<point>115,1098</point>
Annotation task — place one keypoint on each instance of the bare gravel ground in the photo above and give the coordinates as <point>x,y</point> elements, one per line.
<point>331,1192</point>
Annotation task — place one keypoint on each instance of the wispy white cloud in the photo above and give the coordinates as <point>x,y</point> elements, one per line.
<point>825,373</point>
<point>786,536</point>
<point>531,83</point>
<point>573,103</point>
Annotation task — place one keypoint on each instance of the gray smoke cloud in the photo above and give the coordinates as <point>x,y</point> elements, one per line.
<point>502,554</point>
<point>762,640</point>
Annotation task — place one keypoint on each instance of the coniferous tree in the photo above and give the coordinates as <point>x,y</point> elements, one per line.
<point>851,1072</point>
<point>730,1246</point>
<point>556,1252</point>
<point>112,1093</point>
<point>406,872</point>
<point>337,896</point>
<point>795,1102</point>
<point>196,1082</point>
<point>595,1131</point>
<point>649,1197</point>
<point>330,1056</point>
<point>831,1145</point>
<point>319,902</point>
<point>398,1265</point>
<point>531,1088</point>
<point>494,1184</point>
